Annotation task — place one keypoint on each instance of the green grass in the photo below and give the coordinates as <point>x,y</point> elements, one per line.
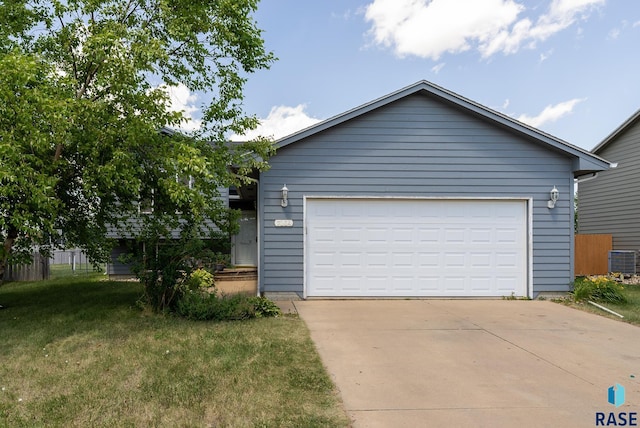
<point>76,351</point>
<point>630,310</point>
<point>65,271</point>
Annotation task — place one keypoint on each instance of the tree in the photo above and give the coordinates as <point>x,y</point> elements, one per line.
<point>83,109</point>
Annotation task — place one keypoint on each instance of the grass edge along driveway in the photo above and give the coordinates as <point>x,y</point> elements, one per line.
<point>77,352</point>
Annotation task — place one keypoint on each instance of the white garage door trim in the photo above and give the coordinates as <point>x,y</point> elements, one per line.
<point>524,271</point>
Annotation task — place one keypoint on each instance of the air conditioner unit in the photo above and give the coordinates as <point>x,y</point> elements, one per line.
<point>622,261</point>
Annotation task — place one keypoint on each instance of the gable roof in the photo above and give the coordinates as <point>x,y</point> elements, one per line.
<point>584,161</point>
<point>619,130</point>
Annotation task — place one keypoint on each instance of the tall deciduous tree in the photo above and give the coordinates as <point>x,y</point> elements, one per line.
<point>82,107</point>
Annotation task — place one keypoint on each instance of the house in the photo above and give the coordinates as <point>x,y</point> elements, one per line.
<point>419,193</point>
<point>611,203</point>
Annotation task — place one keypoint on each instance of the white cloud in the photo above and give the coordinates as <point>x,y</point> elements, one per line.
<point>436,68</point>
<point>280,122</point>
<point>346,15</point>
<point>545,55</point>
<point>551,113</point>
<point>431,28</point>
<point>617,31</point>
<point>182,100</point>
<point>614,34</point>
<point>415,27</point>
<point>505,104</point>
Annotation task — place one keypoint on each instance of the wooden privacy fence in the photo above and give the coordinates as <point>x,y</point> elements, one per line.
<point>36,271</point>
<point>592,254</point>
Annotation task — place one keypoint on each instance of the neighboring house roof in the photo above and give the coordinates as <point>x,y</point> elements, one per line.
<point>625,125</point>
<point>584,161</point>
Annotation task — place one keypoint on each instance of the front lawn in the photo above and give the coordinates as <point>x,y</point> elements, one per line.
<point>76,351</point>
<point>630,310</point>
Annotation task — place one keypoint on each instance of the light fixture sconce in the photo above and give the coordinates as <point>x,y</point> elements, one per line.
<point>285,196</point>
<point>553,195</point>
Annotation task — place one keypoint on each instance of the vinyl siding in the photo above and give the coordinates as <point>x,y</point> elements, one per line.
<point>116,267</point>
<point>611,203</point>
<point>132,225</point>
<point>129,232</point>
<point>416,146</point>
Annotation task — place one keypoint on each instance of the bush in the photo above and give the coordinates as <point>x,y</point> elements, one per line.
<point>264,307</point>
<point>203,306</point>
<point>168,268</point>
<point>600,289</point>
<point>199,279</point>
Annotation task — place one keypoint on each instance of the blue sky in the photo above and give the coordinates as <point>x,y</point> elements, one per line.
<point>568,67</point>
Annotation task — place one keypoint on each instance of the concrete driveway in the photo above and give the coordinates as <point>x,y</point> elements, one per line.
<point>475,363</point>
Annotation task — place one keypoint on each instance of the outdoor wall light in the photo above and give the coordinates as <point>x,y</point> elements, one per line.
<point>553,195</point>
<point>285,196</point>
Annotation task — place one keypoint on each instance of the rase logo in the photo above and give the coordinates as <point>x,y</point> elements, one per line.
<point>616,397</point>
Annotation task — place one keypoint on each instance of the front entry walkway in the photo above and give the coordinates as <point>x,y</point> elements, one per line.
<point>473,363</point>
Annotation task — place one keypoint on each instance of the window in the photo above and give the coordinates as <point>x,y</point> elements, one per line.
<point>146,203</point>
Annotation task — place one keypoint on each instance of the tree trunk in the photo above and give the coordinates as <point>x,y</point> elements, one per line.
<point>12,234</point>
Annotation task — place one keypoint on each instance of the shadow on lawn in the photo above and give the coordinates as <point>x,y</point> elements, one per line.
<point>58,308</point>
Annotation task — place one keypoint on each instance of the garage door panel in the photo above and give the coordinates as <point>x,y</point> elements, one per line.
<point>505,236</point>
<point>388,247</point>
<point>324,284</point>
<point>428,260</point>
<point>403,235</point>
<point>507,261</point>
<point>325,235</point>
<point>352,284</point>
<point>377,284</point>
<point>506,283</point>
<point>351,235</point>
<point>453,260</point>
<point>454,236</point>
<point>454,212</point>
<point>349,260</point>
<point>430,235</point>
<point>402,284</point>
<point>479,260</point>
<point>402,260</point>
<point>481,236</point>
<point>429,285</point>
<point>481,284</point>
<point>374,235</point>
<point>454,284</point>
<point>512,212</point>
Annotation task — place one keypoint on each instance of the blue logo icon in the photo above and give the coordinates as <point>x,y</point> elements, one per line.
<point>616,395</point>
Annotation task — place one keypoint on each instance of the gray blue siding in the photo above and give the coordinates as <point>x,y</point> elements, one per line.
<point>417,146</point>
<point>132,229</point>
<point>116,267</point>
<point>610,203</point>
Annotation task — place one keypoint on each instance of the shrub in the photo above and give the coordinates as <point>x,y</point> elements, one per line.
<point>167,267</point>
<point>202,306</point>
<point>199,279</point>
<point>599,288</point>
<point>264,307</point>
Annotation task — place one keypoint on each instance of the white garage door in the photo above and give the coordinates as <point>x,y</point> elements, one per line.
<point>415,247</point>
